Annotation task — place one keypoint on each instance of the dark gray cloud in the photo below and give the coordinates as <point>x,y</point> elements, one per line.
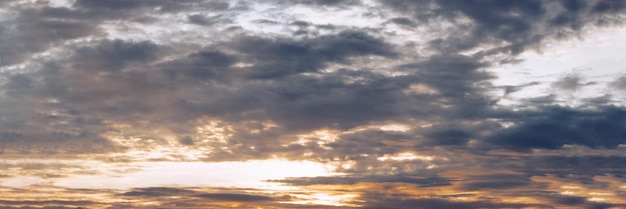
<point>159,191</point>
<point>66,204</point>
<point>420,181</point>
<point>570,83</point>
<point>495,182</point>
<point>403,21</point>
<point>512,89</point>
<point>127,93</point>
<point>541,100</point>
<point>35,30</point>
<point>207,64</point>
<point>62,98</point>
<point>323,2</point>
<point>570,200</point>
<point>553,127</point>
<point>114,55</point>
<point>619,83</point>
<point>17,82</point>
<point>124,8</point>
<point>449,136</point>
<point>186,140</point>
<point>520,24</point>
<point>237,197</point>
<point>173,192</point>
<point>439,70</point>
<point>583,167</point>
<point>203,20</point>
<point>459,82</point>
<point>432,203</point>
<point>281,78</point>
<point>280,57</point>
<point>219,197</point>
<point>599,100</point>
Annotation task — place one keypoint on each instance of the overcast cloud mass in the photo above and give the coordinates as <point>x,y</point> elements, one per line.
<point>312,104</point>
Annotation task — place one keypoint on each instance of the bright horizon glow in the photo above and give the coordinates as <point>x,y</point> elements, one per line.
<point>124,176</point>
<point>215,174</point>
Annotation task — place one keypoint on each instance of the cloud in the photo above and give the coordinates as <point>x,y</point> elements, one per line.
<point>400,99</point>
<point>219,197</point>
<point>280,57</point>
<point>553,127</point>
<point>68,95</point>
<point>403,21</point>
<point>207,64</point>
<point>50,202</point>
<point>449,136</point>
<point>584,167</point>
<point>186,140</point>
<point>422,182</point>
<point>324,2</point>
<point>512,89</point>
<point>570,83</point>
<point>199,19</point>
<point>280,79</point>
<point>125,8</point>
<point>495,182</point>
<point>521,25</point>
<point>619,83</point>
<point>440,203</point>
<point>541,100</point>
<point>35,30</point>
<point>114,55</point>
<point>236,197</point>
<point>438,70</point>
<point>158,192</point>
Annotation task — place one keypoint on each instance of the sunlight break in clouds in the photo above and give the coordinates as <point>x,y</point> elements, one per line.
<point>248,174</point>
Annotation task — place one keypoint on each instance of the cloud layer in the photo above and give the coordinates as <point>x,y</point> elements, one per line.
<point>397,96</point>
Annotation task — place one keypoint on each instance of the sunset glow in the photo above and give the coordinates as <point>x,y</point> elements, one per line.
<point>293,104</point>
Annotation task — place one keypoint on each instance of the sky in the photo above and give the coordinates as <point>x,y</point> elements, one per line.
<point>312,104</point>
